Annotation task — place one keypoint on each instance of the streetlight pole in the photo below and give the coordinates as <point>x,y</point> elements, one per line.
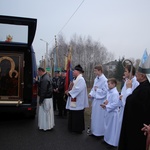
<point>46,55</point>
<point>46,46</point>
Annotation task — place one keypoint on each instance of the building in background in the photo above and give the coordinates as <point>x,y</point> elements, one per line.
<point>110,68</point>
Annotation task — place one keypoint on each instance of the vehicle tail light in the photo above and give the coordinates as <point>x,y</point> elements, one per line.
<point>29,108</point>
<point>34,91</point>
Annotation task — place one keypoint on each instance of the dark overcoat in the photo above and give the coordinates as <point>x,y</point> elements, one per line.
<point>136,112</point>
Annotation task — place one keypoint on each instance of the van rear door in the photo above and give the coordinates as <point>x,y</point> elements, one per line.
<point>17,68</point>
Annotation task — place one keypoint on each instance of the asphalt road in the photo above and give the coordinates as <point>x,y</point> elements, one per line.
<point>20,133</point>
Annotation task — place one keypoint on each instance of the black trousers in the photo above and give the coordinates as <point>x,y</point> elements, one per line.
<point>64,104</point>
<point>60,103</point>
<point>76,121</point>
<point>54,101</point>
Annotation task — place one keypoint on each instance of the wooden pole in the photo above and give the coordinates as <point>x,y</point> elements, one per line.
<point>57,58</point>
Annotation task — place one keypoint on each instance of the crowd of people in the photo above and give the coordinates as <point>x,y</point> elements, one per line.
<point>118,117</point>
<point>54,98</point>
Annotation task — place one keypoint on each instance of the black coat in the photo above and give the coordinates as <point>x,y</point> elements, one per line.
<point>59,83</point>
<point>45,88</point>
<point>61,87</point>
<point>55,82</point>
<point>136,112</point>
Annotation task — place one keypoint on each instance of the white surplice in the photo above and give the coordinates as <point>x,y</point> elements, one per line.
<point>46,115</point>
<point>98,97</point>
<point>76,108</point>
<point>111,117</point>
<point>79,91</point>
<point>125,93</point>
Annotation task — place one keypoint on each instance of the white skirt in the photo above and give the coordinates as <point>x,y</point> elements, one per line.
<point>46,115</point>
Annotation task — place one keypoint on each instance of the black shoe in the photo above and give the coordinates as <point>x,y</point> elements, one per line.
<point>79,132</point>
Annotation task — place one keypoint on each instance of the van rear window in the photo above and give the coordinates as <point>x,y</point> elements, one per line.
<point>13,33</point>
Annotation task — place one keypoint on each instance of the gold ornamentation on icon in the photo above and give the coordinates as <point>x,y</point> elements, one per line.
<point>12,69</point>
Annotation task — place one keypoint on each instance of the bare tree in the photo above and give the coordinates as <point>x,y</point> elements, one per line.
<point>85,52</point>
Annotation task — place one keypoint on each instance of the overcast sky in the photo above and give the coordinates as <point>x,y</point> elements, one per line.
<point>122,26</point>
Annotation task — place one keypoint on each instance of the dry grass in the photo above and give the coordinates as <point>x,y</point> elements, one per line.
<point>88,115</point>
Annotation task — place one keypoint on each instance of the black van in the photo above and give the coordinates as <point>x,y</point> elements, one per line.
<point>18,91</point>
